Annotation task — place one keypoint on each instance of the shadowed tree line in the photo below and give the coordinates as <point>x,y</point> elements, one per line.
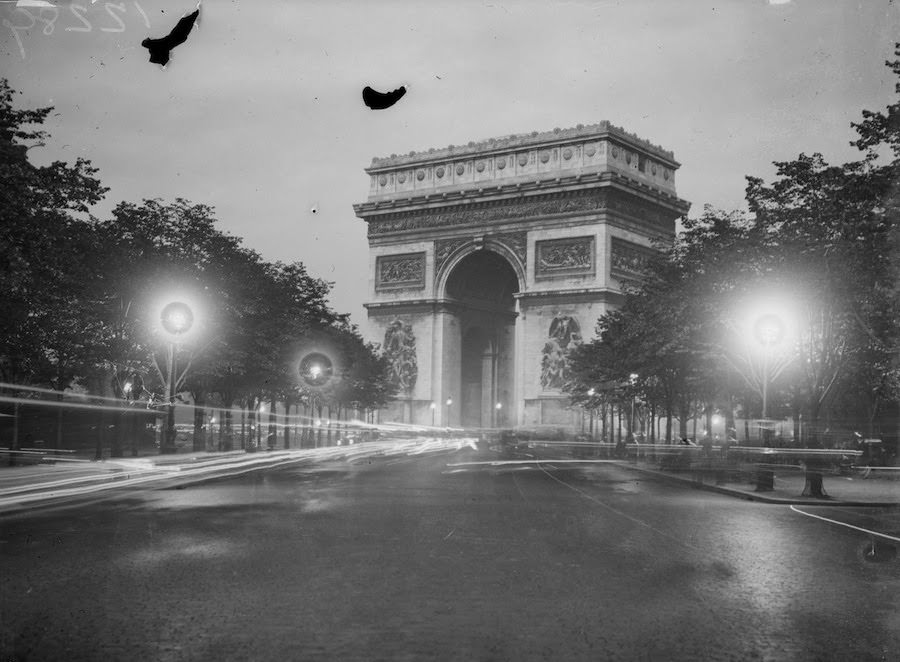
<point>824,241</point>
<point>81,300</point>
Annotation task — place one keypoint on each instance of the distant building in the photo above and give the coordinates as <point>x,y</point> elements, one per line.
<point>489,262</point>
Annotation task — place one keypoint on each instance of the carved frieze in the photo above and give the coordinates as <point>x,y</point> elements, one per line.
<point>444,248</point>
<point>516,242</point>
<point>628,260</point>
<point>572,256</point>
<point>400,271</point>
<point>588,201</point>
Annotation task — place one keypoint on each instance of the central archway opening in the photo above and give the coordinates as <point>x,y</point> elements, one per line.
<point>482,287</point>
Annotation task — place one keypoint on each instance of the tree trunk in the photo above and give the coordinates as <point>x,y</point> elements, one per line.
<point>59,424</point>
<point>243,428</point>
<point>814,474</point>
<point>229,430</point>
<point>729,419</point>
<point>101,428</point>
<point>683,415</point>
<point>603,412</point>
<point>287,424</point>
<point>272,436</point>
<point>746,425</point>
<point>118,440</point>
<point>199,417</point>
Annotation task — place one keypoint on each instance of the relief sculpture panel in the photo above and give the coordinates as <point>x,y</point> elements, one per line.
<point>564,257</point>
<point>400,271</point>
<point>400,351</point>
<point>564,336</point>
<point>628,260</point>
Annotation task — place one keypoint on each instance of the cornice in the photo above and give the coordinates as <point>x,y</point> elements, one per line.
<point>591,294</point>
<point>556,137</point>
<point>432,306</point>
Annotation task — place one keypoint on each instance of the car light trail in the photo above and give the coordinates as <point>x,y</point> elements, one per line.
<point>151,473</point>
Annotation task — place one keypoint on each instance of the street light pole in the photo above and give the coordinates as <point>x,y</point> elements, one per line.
<point>633,377</point>
<point>177,319</point>
<point>448,403</point>
<point>169,436</point>
<point>433,407</point>
<point>769,331</point>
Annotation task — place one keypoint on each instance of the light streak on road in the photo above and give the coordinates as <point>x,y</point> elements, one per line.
<point>68,404</point>
<point>150,473</point>
<point>497,463</point>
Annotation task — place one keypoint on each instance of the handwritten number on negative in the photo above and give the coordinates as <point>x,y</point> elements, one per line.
<point>87,26</point>
<point>24,28</point>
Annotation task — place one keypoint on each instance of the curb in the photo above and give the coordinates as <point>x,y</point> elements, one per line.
<point>750,496</point>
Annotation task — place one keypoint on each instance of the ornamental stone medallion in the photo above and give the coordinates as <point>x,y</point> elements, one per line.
<point>484,274</point>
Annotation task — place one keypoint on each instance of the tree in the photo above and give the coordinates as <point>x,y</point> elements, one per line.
<point>45,214</point>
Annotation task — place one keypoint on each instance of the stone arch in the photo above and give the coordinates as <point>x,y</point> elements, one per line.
<point>479,293</point>
<point>442,274</point>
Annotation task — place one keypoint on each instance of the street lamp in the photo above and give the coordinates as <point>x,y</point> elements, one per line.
<point>448,403</point>
<point>590,393</point>
<point>259,424</point>
<point>497,408</point>
<point>769,330</point>
<point>633,379</point>
<point>176,318</point>
<point>433,407</point>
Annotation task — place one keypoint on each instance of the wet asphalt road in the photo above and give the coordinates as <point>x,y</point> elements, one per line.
<point>407,558</point>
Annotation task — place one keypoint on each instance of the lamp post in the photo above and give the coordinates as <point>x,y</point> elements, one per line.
<point>433,407</point>
<point>633,380</point>
<point>177,318</point>
<point>497,411</point>
<point>126,418</point>
<point>448,403</point>
<point>591,392</point>
<point>259,416</point>
<point>769,330</point>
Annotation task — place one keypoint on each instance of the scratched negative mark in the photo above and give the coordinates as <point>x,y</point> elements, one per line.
<point>160,49</point>
<point>382,100</point>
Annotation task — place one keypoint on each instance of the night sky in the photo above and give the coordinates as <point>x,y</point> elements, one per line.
<point>260,113</point>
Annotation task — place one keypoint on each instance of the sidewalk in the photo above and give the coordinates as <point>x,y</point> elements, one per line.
<point>877,487</point>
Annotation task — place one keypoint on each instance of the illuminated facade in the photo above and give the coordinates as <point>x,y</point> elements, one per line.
<point>489,262</point>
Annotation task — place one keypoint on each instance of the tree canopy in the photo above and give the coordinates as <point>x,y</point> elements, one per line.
<point>821,244</point>
<point>82,295</point>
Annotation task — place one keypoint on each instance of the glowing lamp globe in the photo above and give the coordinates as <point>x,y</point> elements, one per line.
<point>769,330</point>
<point>177,318</point>
<point>316,369</point>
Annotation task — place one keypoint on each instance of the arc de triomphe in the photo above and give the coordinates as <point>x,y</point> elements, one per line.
<point>489,262</point>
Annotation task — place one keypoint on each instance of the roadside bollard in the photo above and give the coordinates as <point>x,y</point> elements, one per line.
<point>765,479</point>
